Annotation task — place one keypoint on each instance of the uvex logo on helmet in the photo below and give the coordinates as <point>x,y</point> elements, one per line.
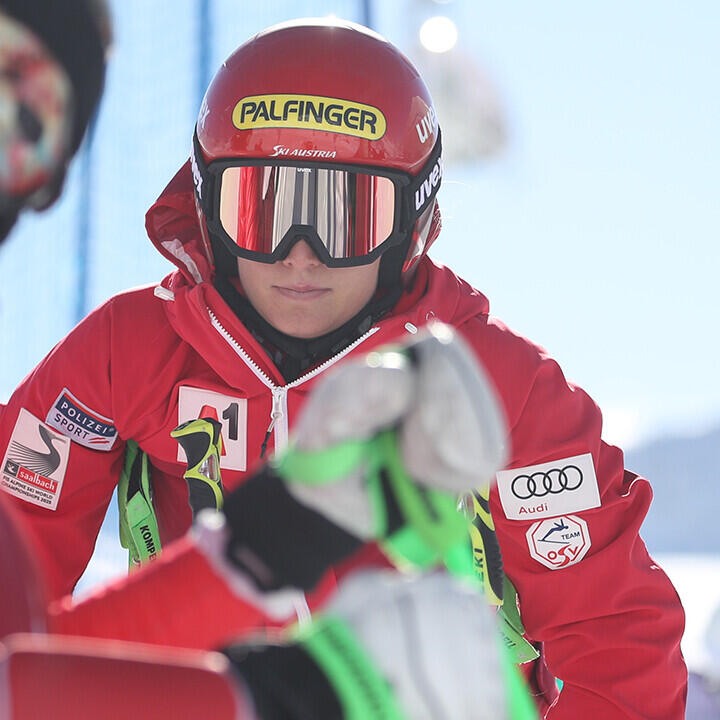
<point>309,112</point>
<point>427,184</point>
<point>197,176</point>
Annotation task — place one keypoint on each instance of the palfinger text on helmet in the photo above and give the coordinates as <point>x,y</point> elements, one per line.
<point>309,112</point>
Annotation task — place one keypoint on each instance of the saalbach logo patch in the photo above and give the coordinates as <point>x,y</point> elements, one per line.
<point>35,462</point>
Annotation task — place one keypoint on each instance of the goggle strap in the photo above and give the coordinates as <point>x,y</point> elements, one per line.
<point>202,180</point>
<point>424,187</point>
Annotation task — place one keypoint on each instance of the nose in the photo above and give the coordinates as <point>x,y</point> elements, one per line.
<point>302,255</point>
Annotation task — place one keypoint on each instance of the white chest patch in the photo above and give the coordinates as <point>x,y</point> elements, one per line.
<point>231,412</point>
<point>555,488</point>
<point>35,462</point>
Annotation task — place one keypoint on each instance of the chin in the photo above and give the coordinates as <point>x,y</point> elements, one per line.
<point>305,334</point>
<point>304,330</point>
<point>303,327</point>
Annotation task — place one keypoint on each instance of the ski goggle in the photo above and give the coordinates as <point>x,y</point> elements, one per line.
<point>348,214</point>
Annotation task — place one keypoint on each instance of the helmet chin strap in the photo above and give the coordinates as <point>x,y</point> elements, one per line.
<point>225,262</point>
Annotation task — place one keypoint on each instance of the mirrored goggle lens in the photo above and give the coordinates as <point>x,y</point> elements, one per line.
<point>352,213</point>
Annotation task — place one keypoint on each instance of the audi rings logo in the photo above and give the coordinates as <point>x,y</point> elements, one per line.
<point>550,482</point>
<point>558,487</point>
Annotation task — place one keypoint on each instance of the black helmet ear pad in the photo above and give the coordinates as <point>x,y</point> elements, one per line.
<point>225,262</point>
<point>391,264</point>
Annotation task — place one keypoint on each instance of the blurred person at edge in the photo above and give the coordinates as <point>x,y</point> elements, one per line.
<point>52,70</point>
<point>300,227</point>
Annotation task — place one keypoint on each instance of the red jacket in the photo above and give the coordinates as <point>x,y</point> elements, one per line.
<point>607,617</point>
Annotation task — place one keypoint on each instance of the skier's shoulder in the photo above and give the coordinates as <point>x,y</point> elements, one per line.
<point>140,297</point>
<point>99,325</point>
<point>506,353</point>
<point>141,306</point>
<point>467,308</point>
<point>444,277</point>
<point>135,317</point>
<point>452,299</point>
<point>511,341</point>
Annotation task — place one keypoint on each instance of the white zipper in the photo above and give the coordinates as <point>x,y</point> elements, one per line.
<point>238,349</point>
<point>279,415</point>
<point>279,411</point>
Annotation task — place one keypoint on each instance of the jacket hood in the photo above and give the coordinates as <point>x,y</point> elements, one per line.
<point>173,226</point>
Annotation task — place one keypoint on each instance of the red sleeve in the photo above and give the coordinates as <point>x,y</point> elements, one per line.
<point>60,486</point>
<point>610,622</point>
<point>178,600</point>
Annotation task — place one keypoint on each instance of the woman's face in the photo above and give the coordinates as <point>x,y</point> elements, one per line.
<point>302,297</point>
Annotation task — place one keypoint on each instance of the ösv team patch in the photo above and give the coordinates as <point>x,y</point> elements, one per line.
<point>567,485</point>
<point>559,542</point>
<point>35,462</point>
<point>80,423</point>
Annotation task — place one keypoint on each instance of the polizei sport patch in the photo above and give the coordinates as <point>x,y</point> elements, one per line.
<point>35,462</point>
<point>309,112</point>
<point>81,424</point>
<point>554,488</point>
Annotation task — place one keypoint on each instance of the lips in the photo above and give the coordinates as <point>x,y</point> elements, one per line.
<point>301,292</point>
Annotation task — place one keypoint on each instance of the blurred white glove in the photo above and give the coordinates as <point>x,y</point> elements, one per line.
<point>389,647</point>
<point>383,449</point>
<point>434,640</point>
<point>452,434</point>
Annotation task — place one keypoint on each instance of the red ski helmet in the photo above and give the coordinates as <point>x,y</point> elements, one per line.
<point>324,130</point>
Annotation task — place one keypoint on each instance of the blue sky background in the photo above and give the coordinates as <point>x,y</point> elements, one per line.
<point>595,232</point>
